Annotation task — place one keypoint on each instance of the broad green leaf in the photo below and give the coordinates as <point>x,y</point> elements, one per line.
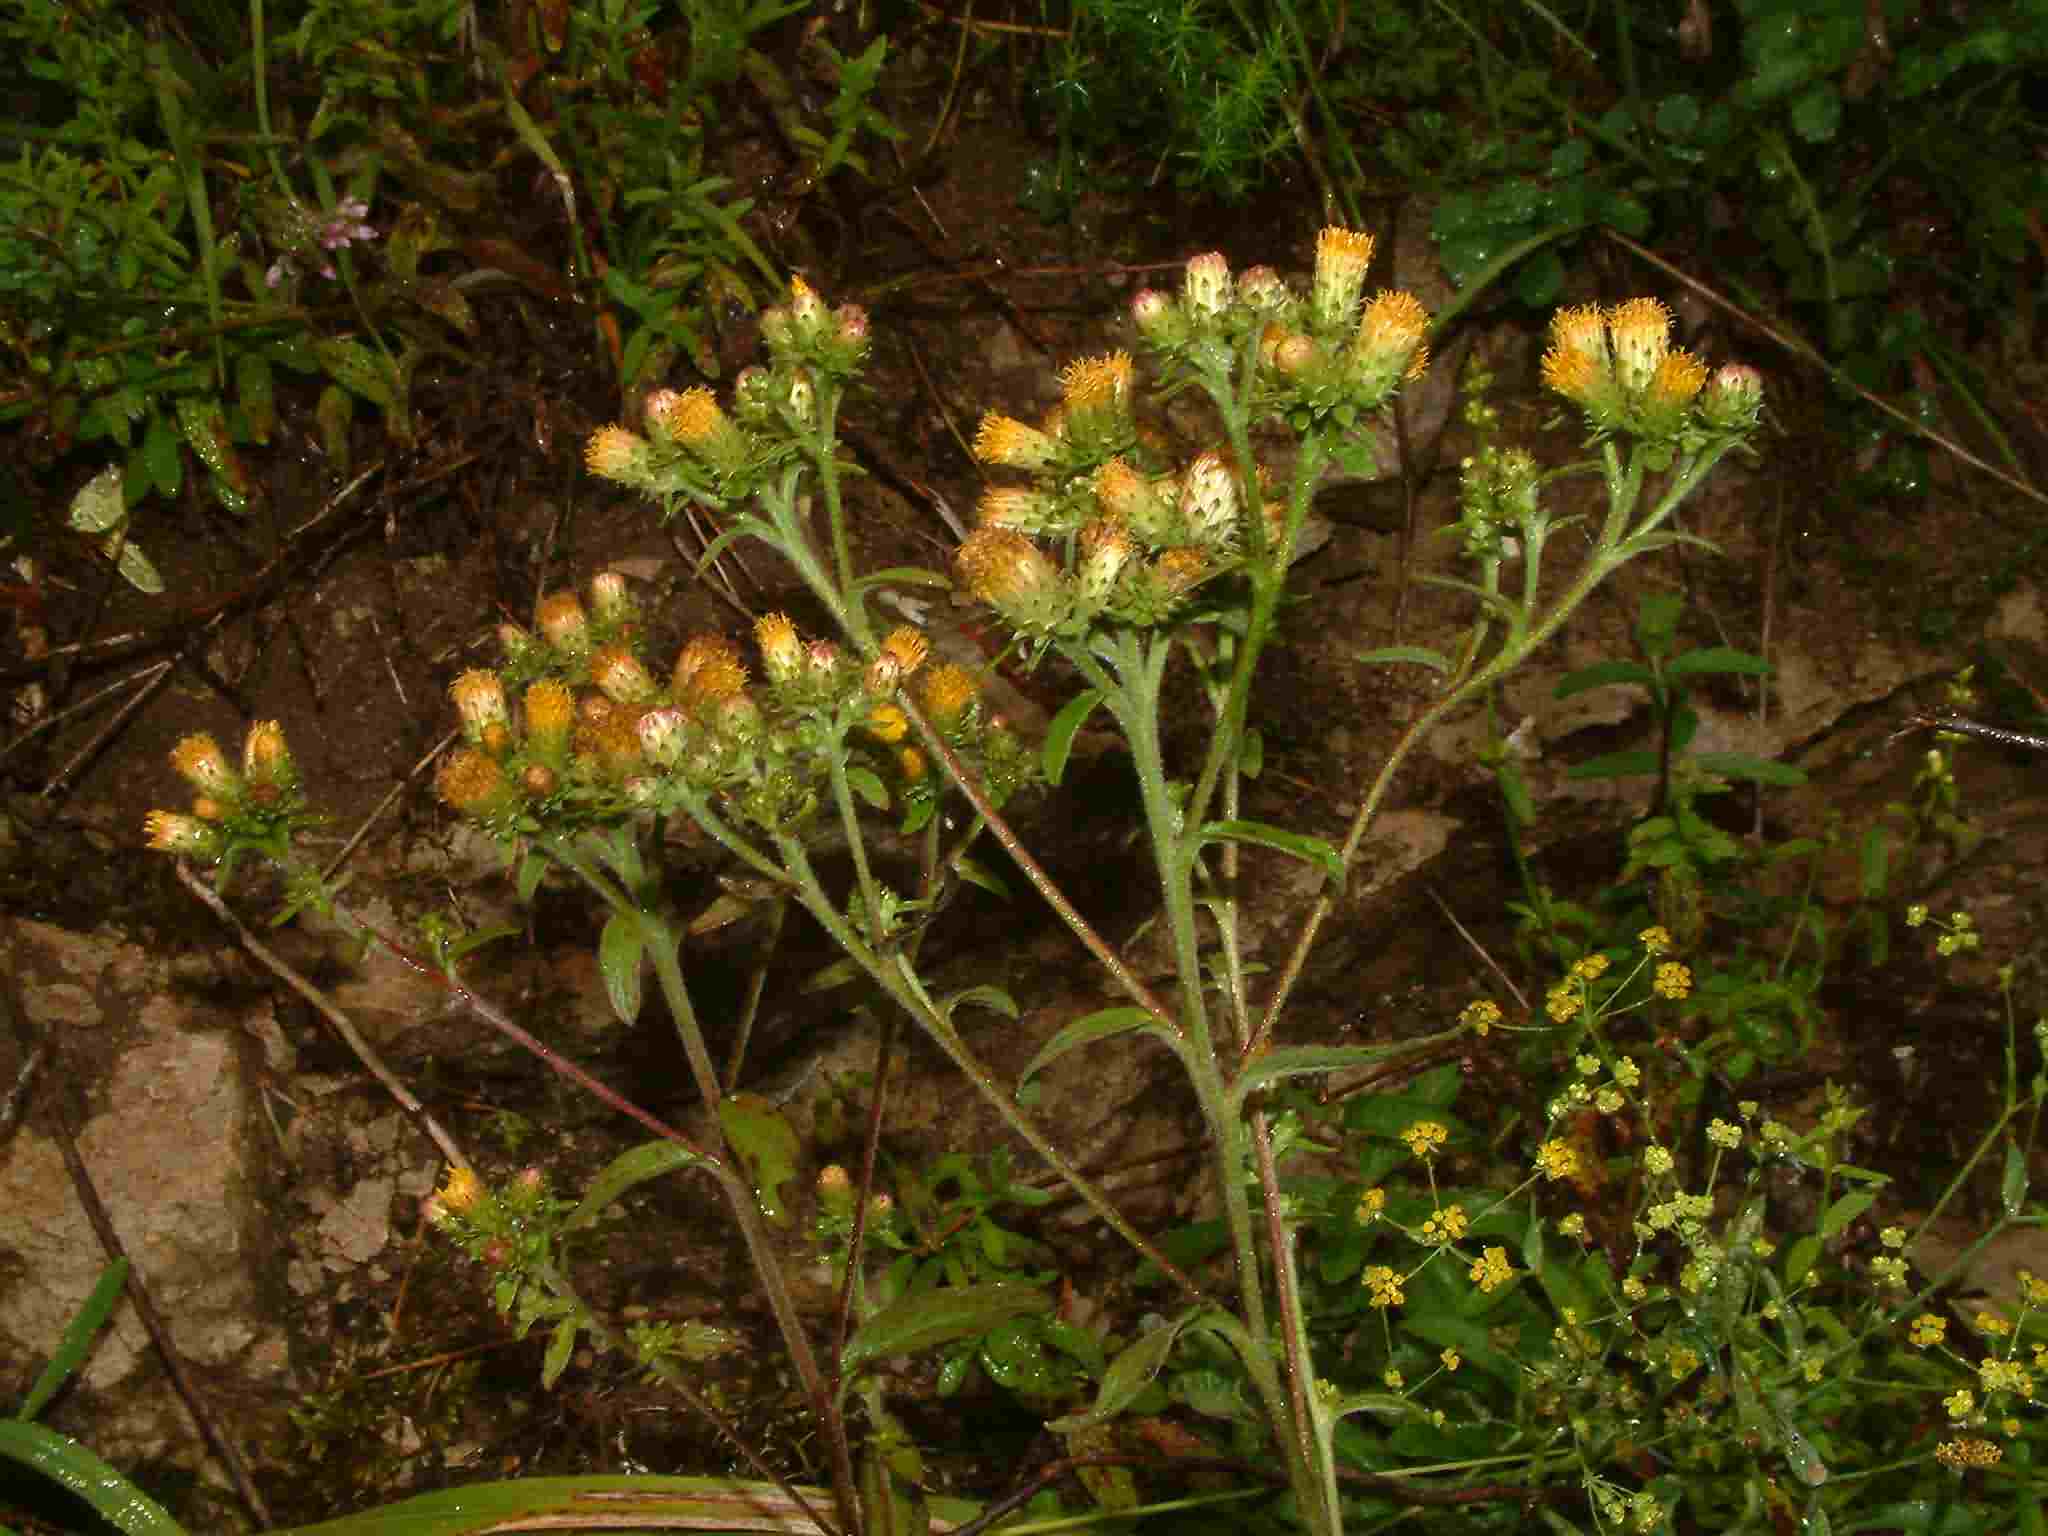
<point>99,506</point>
<point>71,1466</point>
<point>1101,1025</point>
<point>79,1333</point>
<point>868,784</point>
<point>636,1165</point>
<point>921,1320</point>
<point>1799,1260</point>
<point>618,959</point>
<point>765,1142</point>
<point>1845,1210</point>
<point>1130,1373</point>
<point>1310,850</point>
<point>162,456</point>
<point>1066,725</point>
<point>1419,655</point>
<point>135,567</point>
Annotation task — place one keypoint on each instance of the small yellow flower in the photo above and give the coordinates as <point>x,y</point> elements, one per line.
<point>1658,1160</point>
<point>617,453</point>
<point>1655,939</point>
<point>907,647</point>
<point>1573,1225</point>
<point>1007,441</point>
<point>1342,257</point>
<point>2033,1289</point>
<point>1447,1225</point>
<point>1425,1137</point>
<point>1181,570</point>
<point>1627,1073</point>
<point>888,723</point>
<point>1557,1159</point>
<point>948,693</point>
<point>1587,1064</point>
<point>2006,1376</point>
<point>1724,1135</point>
<point>1609,1101</point>
<point>1634,1289</point>
<point>1959,1403</point>
<point>180,835</point>
<point>1968,1452</point>
<point>1679,377</point>
<point>1562,1002</point>
<point>1492,1270</point>
<point>1393,1380</point>
<point>911,764</point>
<point>200,761</point>
<point>462,1190</point>
<point>1993,1324</point>
<point>1683,1361</point>
<point>1673,980</point>
<point>1385,1286</point>
<point>1371,1206</point>
<point>1590,968</point>
<point>1450,1359</point>
<point>1480,1016</point>
<point>549,709</point>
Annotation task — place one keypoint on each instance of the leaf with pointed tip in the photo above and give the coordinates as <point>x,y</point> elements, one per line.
<point>1066,725</point>
<point>634,1166</point>
<point>1310,850</point>
<point>1104,1024</point>
<point>1420,655</point>
<point>927,1318</point>
<point>618,959</point>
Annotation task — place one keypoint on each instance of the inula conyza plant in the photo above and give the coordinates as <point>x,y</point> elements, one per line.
<point>1616,1337</point>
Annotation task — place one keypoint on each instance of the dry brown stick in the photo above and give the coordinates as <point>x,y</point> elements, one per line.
<point>343,1026</point>
<point>82,706</point>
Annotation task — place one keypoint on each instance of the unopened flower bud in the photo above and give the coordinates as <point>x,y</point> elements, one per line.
<point>267,762</point>
<point>1155,317</point>
<point>563,623</point>
<point>206,808</point>
<point>806,309</point>
<point>618,673</point>
<point>1105,549</point>
<point>516,643</point>
<point>888,723</point>
<point>661,733</point>
<point>539,781</point>
<point>1262,288</point>
<point>480,700</point>
<point>697,652</point>
<point>496,1253</point>
<point>852,322</point>
<point>1206,290</point>
<point>775,326</point>
<point>608,597</point>
<point>1733,398</point>
<point>800,398</point>
<point>1209,501</point>
<point>911,764</point>
<point>881,677</point>
<point>1640,333</point>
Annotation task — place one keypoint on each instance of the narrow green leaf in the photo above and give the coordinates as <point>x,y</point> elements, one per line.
<point>994,999</point>
<point>922,1320</point>
<point>635,1166</point>
<point>1614,765</point>
<point>1419,655</point>
<point>1604,674</point>
<point>1310,850</point>
<point>71,1466</point>
<point>2012,1190</point>
<point>1306,1060</point>
<point>1102,1025</point>
<point>618,958</point>
<point>974,872</point>
<point>1129,1374</point>
<point>162,454</point>
<point>532,869</point>
<point>1251,753</point>
<point>79,1333</point>
<point>561,1348</point>
<point>357,369</point>
<point>1717,659</point>
<point>1066,725</point>
<point>1743,765</point>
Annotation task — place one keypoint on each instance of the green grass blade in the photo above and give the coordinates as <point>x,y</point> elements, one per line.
<point>70,1465</point>
<point>77,1340</point>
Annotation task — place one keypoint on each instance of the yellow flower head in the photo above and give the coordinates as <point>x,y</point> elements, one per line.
<point>1425,1137</point>
<point>1385,1285</point>
<point>549,709</point>
<point>1342,257</point>
<point>617,453</point>
<point>1180,571</point>
<point>1492,1270</point>
<point>1007,441</point>
<point>473,783</point>
<point>462,1190</point>
<point>200,761</point>
<point>1001,566</point>
<point>480,700</point>
<point>180,835</point>
<point>1557,1159</point>
<point>695,419</point>
<point>1673,980</point>
<point>1480,1016</point>
<point>888,723</point>
<point>782,652</point>
<point>699,651</point>
<point>563,623</point>
<point>619,675</point>
<point>1640,333</point>
<point>907,647</point>
<point>1093,384</point>
<point>949,692</point>
<point>266,759</point>
<point>1390,334</point>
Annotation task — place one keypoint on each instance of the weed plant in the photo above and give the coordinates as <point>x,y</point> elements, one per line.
<point>1623,1306</point>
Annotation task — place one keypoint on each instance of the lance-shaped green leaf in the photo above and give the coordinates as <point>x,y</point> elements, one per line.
<point>1307,1060</point>
<point>1066,725</point>
<point>1419,655</point>
<point>1105,1024</point>
<point>618,959</point>
<point>924,1319</point>
<point>358,370</point>
<point>1129,1374</point>
<point>78,1336</point>
<point>635,1166</point>
<point>1311,850</point>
